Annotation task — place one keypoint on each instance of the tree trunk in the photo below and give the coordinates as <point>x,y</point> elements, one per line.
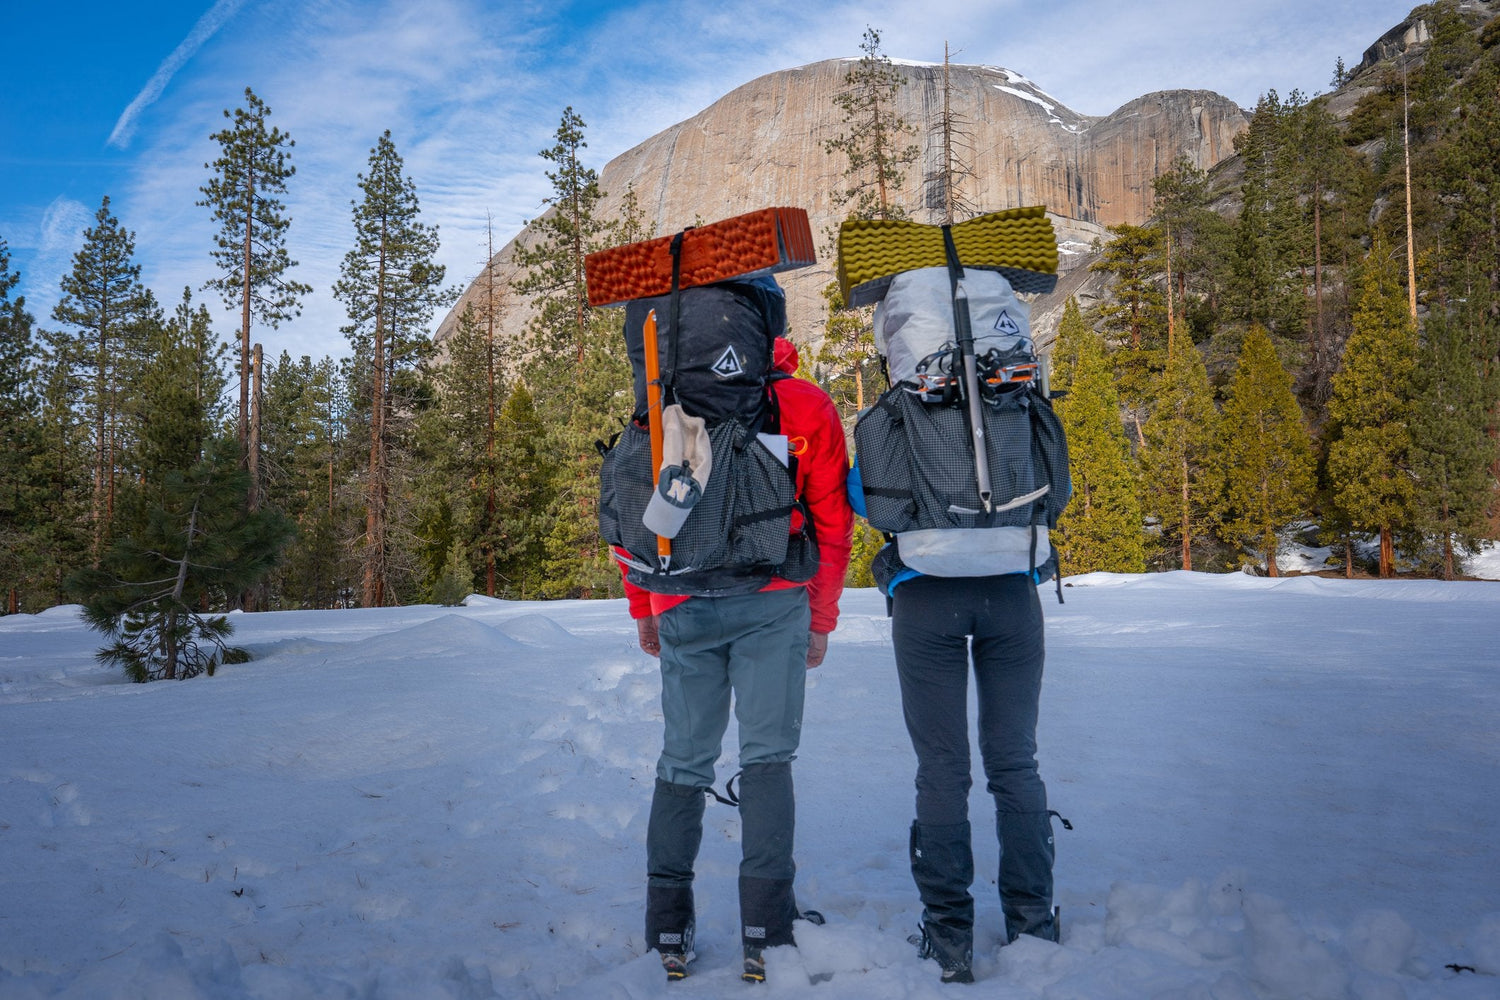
<point>374,575</point>
<point>245,288</point>
<point>1449,570</point>
<point>1387,553</point>
<point>1187,521</point>
<point>169,629</point>
<point>1321,366</point>
<point>101,395</point>
<point>253,451</point>
<point>1171,314</point>
<point>489,433</point>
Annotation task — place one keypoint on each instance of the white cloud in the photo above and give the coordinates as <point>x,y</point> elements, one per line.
<point>202,31</point>
<point>472,90</point>
<point>58,236</point>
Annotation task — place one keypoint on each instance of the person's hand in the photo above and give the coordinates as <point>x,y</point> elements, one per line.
<point>649,639</point>
<point>817,648</point>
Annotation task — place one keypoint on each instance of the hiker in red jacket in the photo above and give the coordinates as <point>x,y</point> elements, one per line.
<point>757,646</point>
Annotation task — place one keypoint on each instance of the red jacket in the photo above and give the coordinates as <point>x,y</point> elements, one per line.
<point>816,436</point>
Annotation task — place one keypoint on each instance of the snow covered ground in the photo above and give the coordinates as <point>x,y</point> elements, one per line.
<point>1279,788</point>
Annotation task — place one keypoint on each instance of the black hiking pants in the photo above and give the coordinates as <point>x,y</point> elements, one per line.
<point>938,626</point>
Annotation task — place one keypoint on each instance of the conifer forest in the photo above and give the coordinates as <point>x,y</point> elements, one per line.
<point>1302,344</point>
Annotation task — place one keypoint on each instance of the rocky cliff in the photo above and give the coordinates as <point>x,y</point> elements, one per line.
<point>763,144</point>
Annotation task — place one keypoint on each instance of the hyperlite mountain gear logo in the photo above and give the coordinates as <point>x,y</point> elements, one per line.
<point>729,364</point>
<point>1004,324</point>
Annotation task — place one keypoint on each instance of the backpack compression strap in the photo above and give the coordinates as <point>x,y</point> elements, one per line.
<point>964,334</point>
<point>674,313</point>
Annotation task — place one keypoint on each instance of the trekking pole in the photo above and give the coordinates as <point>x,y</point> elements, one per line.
<point>653,421</point>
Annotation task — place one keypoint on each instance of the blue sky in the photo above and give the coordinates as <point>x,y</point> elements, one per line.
<point>101,99</point>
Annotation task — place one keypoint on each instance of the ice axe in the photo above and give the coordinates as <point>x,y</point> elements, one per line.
<point>653,421</point>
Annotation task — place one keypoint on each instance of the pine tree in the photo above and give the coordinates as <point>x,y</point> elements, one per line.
<point>1451,48</point>
<point>875,142</point>
<point>1101,529</point>
<point>105,303</point>
<point>578,373</point>
<point>177,398</point>
<point>552,260</point>
<point>1183,483</point>
<point>64,524</point>
<point>199,547</point>
<point>1189,229</point>
<point>244,192</point>
<point>1451,451</point>
<point>309,467</point>
<point>1369,460</point>
<point>1265,451</point>
<point>390,285</point>
<point>1270,237</point>
<point>456,439</point>
<point>525,496</point>
<point>878,153</point>
<point>1327,178</point>
<point>847,363</point>
<point>1136,317</point>
<point>22,486</point>
<point>1466,169</point>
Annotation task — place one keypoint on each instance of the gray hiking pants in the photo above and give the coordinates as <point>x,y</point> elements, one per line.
<point>751,650</point>
<point>754,647</point>
<point>933,620</point>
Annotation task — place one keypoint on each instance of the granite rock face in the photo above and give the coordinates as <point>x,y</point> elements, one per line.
<point>763,145</point>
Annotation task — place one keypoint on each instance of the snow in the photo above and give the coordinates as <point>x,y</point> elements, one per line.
<point>1486,564</point>
<point>1023,95</point>
<point>1052,118</point>
<point>1278,787</point>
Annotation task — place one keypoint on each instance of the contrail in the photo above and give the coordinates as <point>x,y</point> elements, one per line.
<point>209,23</point>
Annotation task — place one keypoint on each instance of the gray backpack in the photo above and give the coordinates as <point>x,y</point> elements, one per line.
<point>962,459</point>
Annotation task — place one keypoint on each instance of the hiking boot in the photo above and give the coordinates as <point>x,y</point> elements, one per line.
<point>942,865</point>
<point>676,964</point>
<point>952,957</point>
<point>669,927</point>
<point>755,966</point>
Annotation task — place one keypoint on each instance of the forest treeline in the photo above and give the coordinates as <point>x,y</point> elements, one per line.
<point>1306,343</point>
<point>1267,361</point>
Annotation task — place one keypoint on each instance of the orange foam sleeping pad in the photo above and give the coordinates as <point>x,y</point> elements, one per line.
<point>760,242</point>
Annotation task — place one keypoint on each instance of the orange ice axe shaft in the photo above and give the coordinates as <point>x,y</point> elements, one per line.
<point>653,421</point>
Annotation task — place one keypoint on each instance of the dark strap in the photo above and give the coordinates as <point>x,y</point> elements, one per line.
<point>955,269</point>
<point>732,798</point>
<point>674,318</point>
<point>1041,505</point>
<point>889,494</point>
<point>963,334</point>
<point>765,515</point>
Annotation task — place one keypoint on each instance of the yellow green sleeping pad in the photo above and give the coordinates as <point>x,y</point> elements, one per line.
<point>1018,242</point>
